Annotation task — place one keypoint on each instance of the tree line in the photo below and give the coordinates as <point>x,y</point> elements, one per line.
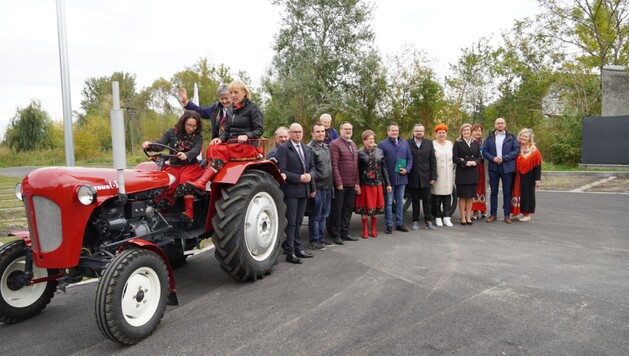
<point>543,73</point>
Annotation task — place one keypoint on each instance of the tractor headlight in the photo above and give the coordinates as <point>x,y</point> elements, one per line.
<point>86,195</point>
<point>18,191</point>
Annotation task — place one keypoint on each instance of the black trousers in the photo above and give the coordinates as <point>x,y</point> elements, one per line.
<point>341,212</point>
<point>422,194</point>
<point>295,208</point>
<point>437,202</point>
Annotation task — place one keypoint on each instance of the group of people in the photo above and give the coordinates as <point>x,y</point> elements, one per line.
<point>335,178</point>
<point>236,124</point>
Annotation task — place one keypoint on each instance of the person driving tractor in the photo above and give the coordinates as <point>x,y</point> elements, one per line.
<point>187,139</point>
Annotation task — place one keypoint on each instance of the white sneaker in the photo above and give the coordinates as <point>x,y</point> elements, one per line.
<point>447,222</point>
<point>438,222</point>
<point>525,218</point>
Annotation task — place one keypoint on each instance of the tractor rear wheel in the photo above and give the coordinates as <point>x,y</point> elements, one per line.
<point>20,302</point>
<point>248,226</point>
<point>131,296</point>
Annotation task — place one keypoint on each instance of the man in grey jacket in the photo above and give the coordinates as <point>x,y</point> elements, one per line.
<point>320,204</point>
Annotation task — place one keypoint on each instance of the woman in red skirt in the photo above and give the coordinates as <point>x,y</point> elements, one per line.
<point>479,202</point>
<point>187,139</point>
<point>373,175</point>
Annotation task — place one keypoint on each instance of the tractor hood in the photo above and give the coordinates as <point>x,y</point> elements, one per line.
<point>104,180</point>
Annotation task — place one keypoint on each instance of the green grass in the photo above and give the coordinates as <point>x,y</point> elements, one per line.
<point>547,166</point>
<point>12,215</point>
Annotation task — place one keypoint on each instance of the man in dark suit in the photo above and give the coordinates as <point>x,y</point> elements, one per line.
<point>422,176</point>
<point>296,162</point>
<point>501,150</point>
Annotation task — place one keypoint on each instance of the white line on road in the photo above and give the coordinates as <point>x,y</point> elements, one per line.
<point>598,182</point>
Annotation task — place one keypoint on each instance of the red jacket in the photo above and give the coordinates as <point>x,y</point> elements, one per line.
<point>344,162</point>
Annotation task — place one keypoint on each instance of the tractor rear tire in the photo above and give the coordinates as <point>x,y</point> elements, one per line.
<point>249,225</point>
<point>131,296</point>
<point>18,303</point>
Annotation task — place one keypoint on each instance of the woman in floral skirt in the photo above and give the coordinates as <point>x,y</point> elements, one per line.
<point>372,172</point>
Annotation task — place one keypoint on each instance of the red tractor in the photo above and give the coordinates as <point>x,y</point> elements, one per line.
<point>85,223</point>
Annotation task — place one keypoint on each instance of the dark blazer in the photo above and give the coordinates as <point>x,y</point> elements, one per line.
<point>212,113</point>
<point>424,164</point>
<point>510,151</point>
<point>290,164</point>
<point>461,154</point>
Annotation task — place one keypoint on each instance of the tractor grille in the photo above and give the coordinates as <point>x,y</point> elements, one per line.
<point>48,224</point>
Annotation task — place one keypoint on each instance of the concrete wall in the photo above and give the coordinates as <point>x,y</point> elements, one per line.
<point>615,91</point>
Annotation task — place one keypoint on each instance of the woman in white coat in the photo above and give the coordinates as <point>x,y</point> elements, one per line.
<point>442,189</point>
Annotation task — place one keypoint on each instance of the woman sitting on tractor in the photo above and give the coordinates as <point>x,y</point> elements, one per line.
<point>244,122</point>
<point>187,139</point>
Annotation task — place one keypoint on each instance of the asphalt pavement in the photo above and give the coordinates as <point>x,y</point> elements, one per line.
<point>556,285</point>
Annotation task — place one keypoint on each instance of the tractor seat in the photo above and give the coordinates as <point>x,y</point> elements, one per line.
<point>258,157</point>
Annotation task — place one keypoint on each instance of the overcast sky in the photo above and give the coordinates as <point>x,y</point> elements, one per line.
<point>157,38</point>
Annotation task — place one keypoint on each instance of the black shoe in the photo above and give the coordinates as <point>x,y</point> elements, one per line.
<point>349,238</point>
<point>338,241</point>
<point>401,228</point>
<point>389,230</point>
<point>303,254</point>
<point>317,246</point>
<point>293,259</point>
<point>328,243</point>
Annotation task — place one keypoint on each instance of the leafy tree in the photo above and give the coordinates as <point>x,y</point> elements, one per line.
<point>97,90</point>
<point>29,129</point>
<point>318,47</point>
<point>368,91</point>
<point>92,138</point>
<point>599,29</point>
<point>207,78</point>
<point>415,96</point>
<point>523,70</point>
<point>470,86</point>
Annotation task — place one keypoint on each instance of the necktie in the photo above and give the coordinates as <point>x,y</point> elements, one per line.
<point>301,155</point>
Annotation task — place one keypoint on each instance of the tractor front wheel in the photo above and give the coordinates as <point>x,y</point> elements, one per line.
<point>248,226</point>
<point>131,296</point>
<point>19,301</point>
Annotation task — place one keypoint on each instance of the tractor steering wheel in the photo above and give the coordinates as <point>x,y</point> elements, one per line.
<point>160,158</point>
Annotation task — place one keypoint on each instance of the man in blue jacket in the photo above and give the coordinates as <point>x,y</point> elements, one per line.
<point>501,150</point>
<point>397,155</point>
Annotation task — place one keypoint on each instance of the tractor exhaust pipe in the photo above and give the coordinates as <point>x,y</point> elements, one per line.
<point>119,149</point>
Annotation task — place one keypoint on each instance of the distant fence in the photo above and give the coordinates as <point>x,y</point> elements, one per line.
<point>605,140</point>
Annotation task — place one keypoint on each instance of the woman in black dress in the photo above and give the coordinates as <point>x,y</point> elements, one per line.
<point>466,157</point>
<point>528,176</point>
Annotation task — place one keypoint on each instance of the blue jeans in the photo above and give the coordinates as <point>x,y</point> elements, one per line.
<point>320,209</point>
<point>397,191</point>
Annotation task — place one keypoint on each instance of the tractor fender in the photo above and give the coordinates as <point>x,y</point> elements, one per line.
<point>147,245</point>
<point>24,235</point>
<point>231,172</point>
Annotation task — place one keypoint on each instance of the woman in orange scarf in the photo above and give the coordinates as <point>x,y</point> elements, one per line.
<point>528,176</point>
